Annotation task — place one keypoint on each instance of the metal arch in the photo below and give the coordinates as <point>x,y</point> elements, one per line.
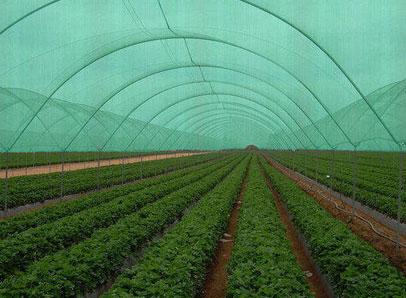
<point>266,11</point>
<point>241,86</point>
<point>289,73</point>
<point>263,95</point>
<point>143,102</point>
<point>197,37</point>
<point>331,59</point>
<point>146,100</point>
<point>288,145</point>
<point>265,116</point>
<point>192,116</point>
<point>207,94</point>
<point>157,114</point>
<point>218,127</point>
<point>217,131</point>
<point>209,111</point>
<point>13,95</point>
<point>241,110</point>
<point>194,66</point>
<point>292,143</point>
<point>272,86</point>
<point>231,112</point>
<point>27,15</point>
<point>206,130</point>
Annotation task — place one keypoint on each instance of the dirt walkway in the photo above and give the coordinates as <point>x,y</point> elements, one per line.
<point>317,283</point>
<point>52,168</point>
<point>217,276</point>
<point>375,232</point>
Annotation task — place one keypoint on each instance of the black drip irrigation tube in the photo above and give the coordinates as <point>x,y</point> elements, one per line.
<point>376,215</point>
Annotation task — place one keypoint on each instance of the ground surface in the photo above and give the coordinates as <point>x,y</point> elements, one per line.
<point>72,166</point>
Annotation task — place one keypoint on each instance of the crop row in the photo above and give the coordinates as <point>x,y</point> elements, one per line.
<point>38,188</point>
<point>367,176</point>
<point>351,265</point>
<point>262,262</point>
<point>84,266</point>
<point>20,160</point>
<point>377,195</point>
<point>45,215</point>
<point>381,162</point>
<point>17,252</point>
<point>175,266</point>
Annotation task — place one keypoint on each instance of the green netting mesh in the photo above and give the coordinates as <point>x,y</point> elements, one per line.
<point>131,75</point>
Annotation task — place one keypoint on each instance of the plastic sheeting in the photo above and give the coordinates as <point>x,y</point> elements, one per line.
<point>129,75</point>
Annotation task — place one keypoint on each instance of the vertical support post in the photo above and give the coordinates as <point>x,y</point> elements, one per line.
<point>332,173</point>
<point>98,170</point>
<point>26,163</point>
<point>62,172</point>
<point>6,183</point>
<point>401,187</point>
<point>122,169</point>
<point>317,166</point>
<point>304,162</point>
<point>141,166</point>
<point>354,181</point>
<point>156,158</point>
<point>49,163</point>
<point>33,159</point>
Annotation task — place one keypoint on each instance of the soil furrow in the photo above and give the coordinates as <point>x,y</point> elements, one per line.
<point>317,283</point>
<point>215,284</point>
<point>361,227</point>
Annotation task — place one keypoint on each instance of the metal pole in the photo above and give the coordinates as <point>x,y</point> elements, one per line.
<point>332,173</point>
<point>399,198</point>
<point>317,167</point>
<point>26,163</point>
<point>141,165</point>
<point>305,170</point>
<point>98,170</point>
<point>354,181</point>
<point>62,172</point>
<point>6,183</point>
<point>122,169</point>
<point>49,163</point>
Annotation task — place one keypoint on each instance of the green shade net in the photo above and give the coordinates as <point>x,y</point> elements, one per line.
<point>127,75</point>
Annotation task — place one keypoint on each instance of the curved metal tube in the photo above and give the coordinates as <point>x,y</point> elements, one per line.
<point>180,101</point>
<point>177,37</point>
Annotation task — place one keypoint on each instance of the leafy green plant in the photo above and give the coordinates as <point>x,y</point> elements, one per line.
<point>175,266</point>
<point>376,186</point>
<point>42,216</point>
<point>38,188</point>
<point>353,267</point>
<point>262,262</point>
<point>19,251</point>
<point>84,266</point>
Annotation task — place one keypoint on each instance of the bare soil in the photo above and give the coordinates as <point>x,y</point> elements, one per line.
<point>316,282</point>
<point>217,276</point>
<point>15,172</point>
<point>361,223</point>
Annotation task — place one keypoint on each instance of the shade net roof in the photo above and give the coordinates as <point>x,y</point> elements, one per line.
<point>126,75</point>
